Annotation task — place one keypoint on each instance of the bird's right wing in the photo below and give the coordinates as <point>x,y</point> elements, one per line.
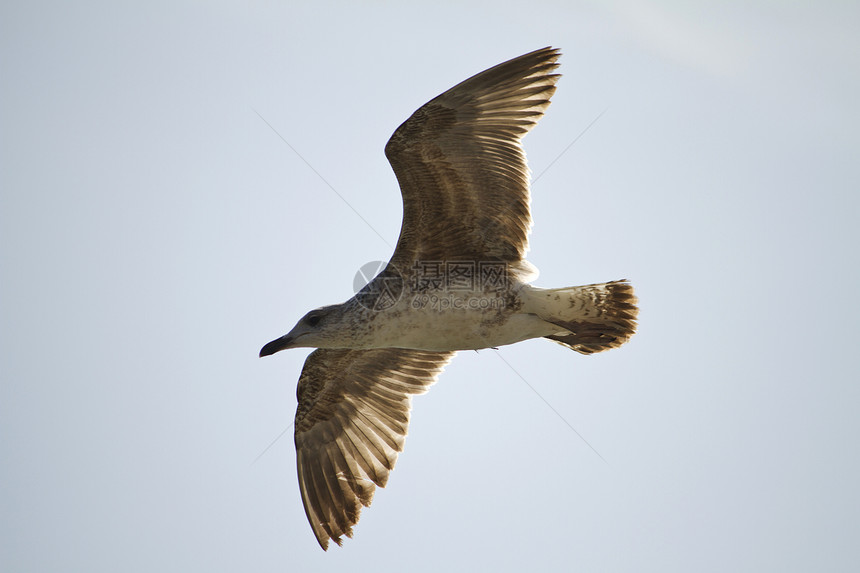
<point>351,423</point>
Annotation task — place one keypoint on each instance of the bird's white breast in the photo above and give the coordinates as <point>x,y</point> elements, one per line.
<point>452,322</point>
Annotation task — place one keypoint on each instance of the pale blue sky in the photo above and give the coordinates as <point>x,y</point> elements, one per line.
<point>154,233</point>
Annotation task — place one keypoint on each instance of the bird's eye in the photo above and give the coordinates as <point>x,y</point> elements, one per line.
<point>314,319</point>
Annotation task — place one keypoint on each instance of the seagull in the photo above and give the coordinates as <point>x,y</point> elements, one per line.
<point>458,280</point>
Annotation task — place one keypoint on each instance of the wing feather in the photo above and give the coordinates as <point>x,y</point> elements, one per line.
<point>462,170</point>
<point>351,424</point>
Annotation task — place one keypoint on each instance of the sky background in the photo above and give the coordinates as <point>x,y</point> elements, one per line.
<point>155,232</point>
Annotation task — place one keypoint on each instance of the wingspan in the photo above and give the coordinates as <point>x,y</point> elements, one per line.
<point>351,424</point>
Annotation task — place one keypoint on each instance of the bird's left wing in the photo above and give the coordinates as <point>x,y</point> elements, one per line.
<point>462,169</point>
<point>351,423</point>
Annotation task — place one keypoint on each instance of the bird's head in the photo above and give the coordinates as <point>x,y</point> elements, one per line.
<point>316,329</point>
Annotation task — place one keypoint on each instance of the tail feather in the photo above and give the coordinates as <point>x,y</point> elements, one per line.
<point>592,318</point>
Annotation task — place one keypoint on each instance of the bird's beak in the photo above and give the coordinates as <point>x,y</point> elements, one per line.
<point>281,343</point>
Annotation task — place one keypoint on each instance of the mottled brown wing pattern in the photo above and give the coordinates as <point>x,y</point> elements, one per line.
<point>461,167</point>
<point>351,424</point>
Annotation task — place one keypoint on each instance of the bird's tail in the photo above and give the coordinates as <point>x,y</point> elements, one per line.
<point>591,318</point>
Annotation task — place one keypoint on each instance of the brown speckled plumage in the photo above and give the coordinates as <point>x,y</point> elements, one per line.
<point>465,187</point>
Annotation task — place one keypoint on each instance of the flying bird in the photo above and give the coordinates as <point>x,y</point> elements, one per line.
<point>458,280</point>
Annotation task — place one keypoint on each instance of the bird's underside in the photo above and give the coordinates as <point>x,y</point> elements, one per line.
<point>464,180</point>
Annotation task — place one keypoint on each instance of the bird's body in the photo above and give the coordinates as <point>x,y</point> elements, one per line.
<point>458,280</point>
<point>439,320</point>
